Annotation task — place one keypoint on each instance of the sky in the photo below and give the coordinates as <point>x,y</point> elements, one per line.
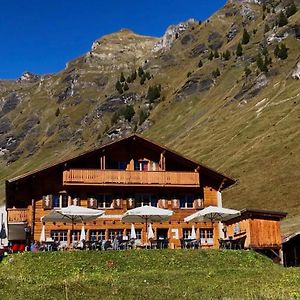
<point>41,36</point>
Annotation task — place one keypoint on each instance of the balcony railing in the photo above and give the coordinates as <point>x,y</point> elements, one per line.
<point>121,177</point>
<point>17,215</point>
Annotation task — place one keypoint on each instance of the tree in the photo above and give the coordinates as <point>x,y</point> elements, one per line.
<point>265,51</point>
<point>133,76</point>
<point>291,10</point>
<point>57,112</point>
<point>122,77</point>
<point>128,80</point>
<point>147,75</point>
<point>260,64</point>
<point>282,19</point>
<point>216,73</point>
<point>143,79</point>
<point>188,74</point>
<point>127,112</point>
<point>142,117</point>
<point>200,64</point>
<point>216,54</point>
<point>125,87</point>
<point>239,50</point>
<point>140,72</point>
<point>281,51</point>
<point>246,37</point>
<point>153,93</point>
<point>119,87</point>
<point>211,56</point>
<point>226,55</point>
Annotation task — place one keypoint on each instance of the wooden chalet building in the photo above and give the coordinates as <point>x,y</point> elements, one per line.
<point>124,174</point>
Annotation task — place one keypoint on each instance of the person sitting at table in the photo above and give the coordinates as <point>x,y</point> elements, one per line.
<point>115,243</point>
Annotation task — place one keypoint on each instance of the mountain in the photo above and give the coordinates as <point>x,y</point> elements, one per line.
<point>236,110</point>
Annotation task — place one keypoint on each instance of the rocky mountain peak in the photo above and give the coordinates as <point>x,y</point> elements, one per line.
<point>172,33</point>
<point>28,76</point>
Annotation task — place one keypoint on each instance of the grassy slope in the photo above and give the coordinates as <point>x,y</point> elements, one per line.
<point>170,274</point>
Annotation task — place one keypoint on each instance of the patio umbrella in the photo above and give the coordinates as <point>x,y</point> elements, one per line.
<point>132,232</point>
<point>193,234</point>
<point>43,235</point>
<point>72,214</point>
<point>150,232</point>
<point>3,231</point>
<point>82,236</point>
<point>147,214</point>
<point>212,213</point>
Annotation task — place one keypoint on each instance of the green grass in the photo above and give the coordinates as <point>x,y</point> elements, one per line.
<point>153,274</point>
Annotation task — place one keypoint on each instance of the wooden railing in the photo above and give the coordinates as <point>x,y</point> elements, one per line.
<point>17,215</point>
<point>116,177</point>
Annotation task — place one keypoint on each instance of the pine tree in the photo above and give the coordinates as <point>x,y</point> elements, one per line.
<point>216,54</point>
<point>200,64</point>
<point>128,80</point>
<point>211,56</point>
<point>143,79</point>
<point>282,19</point>
<point>291,10</point>
<point>216,73</point>
<point>226,55</point>
<point>276,50</point>
<point>128,112</point>
<point>125,87</point>
<point>281,51</point>
<point>133,76</point>
<point>119,87</point>
<point>239,50</point>
<point>142,117</point>
<point>122,77</point>
<point>57,112</point>
<point>147,75</point>
<point>246,37</point>
<point>260,64</point>
<point>140,72</point>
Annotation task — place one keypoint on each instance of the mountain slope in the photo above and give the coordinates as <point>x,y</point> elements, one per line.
<point>245,126</point>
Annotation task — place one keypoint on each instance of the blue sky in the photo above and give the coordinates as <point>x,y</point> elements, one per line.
<point>42,35</point>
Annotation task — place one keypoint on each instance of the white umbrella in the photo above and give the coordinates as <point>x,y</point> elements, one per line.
<point>150,232</point>
<point>132,232</point>
<point>72,214</point>
<point>193,234</point>
<point>147,214</point>
<point>43,235</point>
<point>82,236</point>
<point>212,213</point>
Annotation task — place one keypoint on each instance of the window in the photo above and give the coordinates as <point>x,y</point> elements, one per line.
<point>207,236</point>
<point>104,201</point>
<point>114,232</point>
<point>186,201</point>
<point>145,199</point>
<point>141,165</point>
<point>75,235</point>
<point>97,235</point>
<point>122,165</point>
<point>187,233</point>
<point>138,233</point>
<point>55,201</point>
<point>59,235</point>
<point>60,200</point>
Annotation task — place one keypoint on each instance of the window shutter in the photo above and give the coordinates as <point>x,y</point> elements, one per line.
<point>47,202</point>
<point>175,203</point>
<point>92,203</point>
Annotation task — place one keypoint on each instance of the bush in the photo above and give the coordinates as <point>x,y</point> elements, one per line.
<point>246,37</point>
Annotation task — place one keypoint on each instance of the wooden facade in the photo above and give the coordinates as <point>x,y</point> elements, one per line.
<point>122,175</point>
<point>261,229</point>
<point>116,177</point>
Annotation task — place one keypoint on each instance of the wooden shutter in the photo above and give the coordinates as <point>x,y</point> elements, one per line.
<point>175,203</point>
<point>92,203</point>
<point>47,202</point>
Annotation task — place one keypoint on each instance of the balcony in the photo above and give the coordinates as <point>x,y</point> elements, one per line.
<point>17,215</point>
<point>130,178</point>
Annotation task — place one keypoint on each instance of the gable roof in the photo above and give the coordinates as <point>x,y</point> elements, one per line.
<point>226,181</point>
